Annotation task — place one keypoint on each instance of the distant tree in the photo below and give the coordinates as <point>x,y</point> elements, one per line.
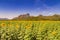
<point>56,15</point>
<point>40,15</point>
<point>28,14</point>
<point>36,18</point>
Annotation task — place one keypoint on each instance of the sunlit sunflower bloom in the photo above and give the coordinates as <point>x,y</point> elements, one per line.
<point>27,27</point>
<point>17,26</point>
<point>3,24</point>
<point>54,32</point>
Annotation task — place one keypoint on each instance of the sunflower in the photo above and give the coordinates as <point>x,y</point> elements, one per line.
<point>54,32</point>
<point>3,24</point>
<point>17,26</point>
<point>27,27</point>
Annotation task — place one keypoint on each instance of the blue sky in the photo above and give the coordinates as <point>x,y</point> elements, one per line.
<point>13,8</point>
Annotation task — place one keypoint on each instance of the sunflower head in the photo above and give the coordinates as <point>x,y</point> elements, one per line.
<point>27,27</point>
<point>3,24</point>
<point>54,32</point>
<point>17,26</point>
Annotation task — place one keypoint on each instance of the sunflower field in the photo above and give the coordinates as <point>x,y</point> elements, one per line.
<point>29,30</point>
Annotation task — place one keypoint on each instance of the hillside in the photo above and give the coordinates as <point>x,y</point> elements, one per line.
<point>4,19</point>
<point>27,17</point>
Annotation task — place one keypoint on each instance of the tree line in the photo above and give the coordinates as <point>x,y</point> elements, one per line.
<point>27,17</point>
